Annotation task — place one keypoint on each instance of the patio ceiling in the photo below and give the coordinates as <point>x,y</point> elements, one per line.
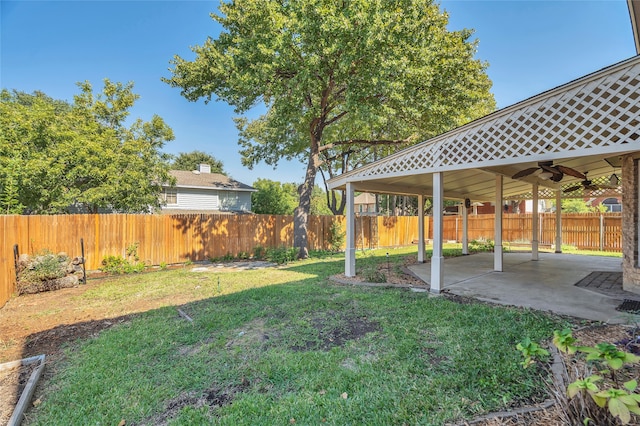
<point>586,125</point>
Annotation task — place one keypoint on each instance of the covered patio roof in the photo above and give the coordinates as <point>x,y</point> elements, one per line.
<point>586,124</point>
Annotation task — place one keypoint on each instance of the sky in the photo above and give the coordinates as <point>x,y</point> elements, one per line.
<point>530,46</point>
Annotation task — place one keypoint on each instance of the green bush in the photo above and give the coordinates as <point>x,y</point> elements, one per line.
<point>259,253</point>
<point>281,255</point>
<point>336,236</point>
<point>117,265</point>
<point>373,275</point>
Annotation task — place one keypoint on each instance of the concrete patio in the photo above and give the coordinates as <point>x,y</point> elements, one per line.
<point>547,284</point>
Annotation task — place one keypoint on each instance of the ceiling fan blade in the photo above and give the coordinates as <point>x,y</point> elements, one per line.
<point>556,174</point>
<point>573,188</point>
<point>525,172</point>
<point>571,172</point>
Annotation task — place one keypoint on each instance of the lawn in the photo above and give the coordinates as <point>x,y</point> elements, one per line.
<point>287,346</point>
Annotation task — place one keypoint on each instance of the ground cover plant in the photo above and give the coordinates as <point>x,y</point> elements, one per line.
<point>287,346</point>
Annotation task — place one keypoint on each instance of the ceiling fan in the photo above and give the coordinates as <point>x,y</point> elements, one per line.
<point>554,173</point>
<point>589,185</point>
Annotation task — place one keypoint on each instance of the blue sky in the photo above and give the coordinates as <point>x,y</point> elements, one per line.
<point>531,46</point>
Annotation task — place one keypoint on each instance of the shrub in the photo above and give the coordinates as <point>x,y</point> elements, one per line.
<point>281,255</point>
<point>373,275</point>
<point>336,236</point>
<point>598,391</point>
<point>116,265</point>
<point>259,253</point>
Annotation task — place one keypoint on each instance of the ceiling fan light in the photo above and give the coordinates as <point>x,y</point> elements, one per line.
<point>614,180</point>
<point>545,175</point>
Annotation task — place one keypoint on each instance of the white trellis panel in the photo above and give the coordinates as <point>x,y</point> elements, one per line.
<point>592,115</point>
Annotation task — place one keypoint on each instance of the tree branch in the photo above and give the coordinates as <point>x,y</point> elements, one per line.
<point>367,142</point>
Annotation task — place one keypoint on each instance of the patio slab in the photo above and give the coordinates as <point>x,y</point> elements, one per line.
<point>547,284</point>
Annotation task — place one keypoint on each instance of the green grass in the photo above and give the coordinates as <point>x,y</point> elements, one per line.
<point>286,345</point>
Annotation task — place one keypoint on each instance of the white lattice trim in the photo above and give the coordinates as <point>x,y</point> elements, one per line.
<point>593,115</point>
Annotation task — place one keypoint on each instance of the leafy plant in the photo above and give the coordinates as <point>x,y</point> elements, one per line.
<point>116,265</point>
<point>259,253</point>
<point>481,245</point>
<point>564,341</point>
<point>281,255</point>
<point>336,236</point>
<point>531,351</point>
<point>609,354</point>
<point>620,402</point>
<point>373,275</point>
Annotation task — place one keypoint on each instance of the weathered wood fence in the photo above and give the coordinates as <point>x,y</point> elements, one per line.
<point>178,238</point>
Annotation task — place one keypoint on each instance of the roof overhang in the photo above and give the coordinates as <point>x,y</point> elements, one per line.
<point>586,124</point>
<point>212,188</point>
<point>634,14</point>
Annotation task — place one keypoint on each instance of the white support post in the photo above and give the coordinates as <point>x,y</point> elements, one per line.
<point>535,230</point>
<point>350,250</point>
<point>497,251</point>
<point>437,260</point>
<point>558,221</point>
<point>421,248</point>
<point>465,230</point>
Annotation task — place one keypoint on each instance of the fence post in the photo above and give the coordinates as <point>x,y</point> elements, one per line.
<point>16,257</point>
<point>601,232</point>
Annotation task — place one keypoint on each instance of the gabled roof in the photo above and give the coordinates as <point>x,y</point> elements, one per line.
<point>586,124</point>
<point>195,179</point>
<point>365,198</point>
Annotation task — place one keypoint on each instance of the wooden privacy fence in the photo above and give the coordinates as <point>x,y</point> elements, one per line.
<point>178,238</point>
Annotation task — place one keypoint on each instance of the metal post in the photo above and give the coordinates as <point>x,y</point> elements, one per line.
<point>16,258</point>
<point>84,268</point>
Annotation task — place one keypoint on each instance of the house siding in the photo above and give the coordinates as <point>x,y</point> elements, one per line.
<point>195,199</point>
<point>235,200</point>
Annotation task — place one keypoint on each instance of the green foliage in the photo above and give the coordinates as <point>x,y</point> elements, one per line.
<point>281,255</point>
<point>530,351</point>
<point>620,402</point>
<point>273,197</point>
<point>336,236</point>
<point>481,245</point>
<point>609,354</point>
<point>259,253</point>
<point>373,275</point>
<point>191,160</point>
<point>339,81</point>
<point>44,266</point>
<point>117,265</point>
<point>577,205</point>
<point>55,155</point>
<point>564,341</point>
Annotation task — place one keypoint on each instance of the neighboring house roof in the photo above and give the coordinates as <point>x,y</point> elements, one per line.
<point>195,179</point>
<point>365,198</point>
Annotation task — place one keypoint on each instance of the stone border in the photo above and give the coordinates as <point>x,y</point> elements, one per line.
<point>335,279</point>
<point>27,393</point>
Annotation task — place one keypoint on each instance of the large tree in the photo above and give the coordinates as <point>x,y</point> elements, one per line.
<point>190,160</point>
<point>335,76</point>
<point>55,154</point>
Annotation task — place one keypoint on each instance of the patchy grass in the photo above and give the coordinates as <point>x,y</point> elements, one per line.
<point>284,346</point>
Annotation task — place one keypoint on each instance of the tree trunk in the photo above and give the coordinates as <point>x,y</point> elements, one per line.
<point>301,213</point>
